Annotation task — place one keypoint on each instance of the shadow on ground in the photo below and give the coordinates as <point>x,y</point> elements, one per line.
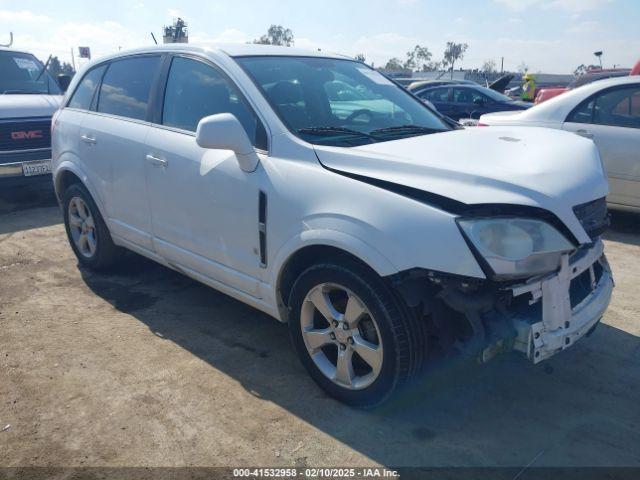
<point>15,199</point>
<point>579,408</point>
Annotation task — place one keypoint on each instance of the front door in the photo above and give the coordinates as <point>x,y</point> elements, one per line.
<point>204,208</point>
<point>612,120</point>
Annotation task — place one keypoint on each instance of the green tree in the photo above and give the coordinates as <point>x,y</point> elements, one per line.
<point>394,64</point>
<point>360,58</point>
<point>56,68</point>
<point>276,35</point>
<point>452,53</point>
<point>418,59</point>
<point>489,66</point>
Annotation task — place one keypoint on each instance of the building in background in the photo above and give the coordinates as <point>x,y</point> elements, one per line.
<point>176,33</point>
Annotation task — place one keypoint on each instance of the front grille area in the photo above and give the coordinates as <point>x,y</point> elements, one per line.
<point>581,286</point>
<point>25,156</point>
<point>25,134</point>
<point>593,217</point>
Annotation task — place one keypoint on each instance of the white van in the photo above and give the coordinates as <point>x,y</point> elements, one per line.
<point>382,234</point>
<point>28,98</point>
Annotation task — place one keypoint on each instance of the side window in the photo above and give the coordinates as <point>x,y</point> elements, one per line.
<point>583,113</point>
<point>126,87</point>
<point>619,108</point>
<point>467,95</point>
<point>83,96</point>
<point>435,94</point>
<point>196,90</point>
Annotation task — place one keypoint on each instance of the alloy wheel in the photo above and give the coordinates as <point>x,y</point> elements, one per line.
<point>341,336</point>
<point>82,227</point>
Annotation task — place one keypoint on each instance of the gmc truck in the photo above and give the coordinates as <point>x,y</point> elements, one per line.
<point>28,98</point>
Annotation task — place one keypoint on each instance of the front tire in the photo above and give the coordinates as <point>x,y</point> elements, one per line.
<point>87,232</point>
<point>352,334</point>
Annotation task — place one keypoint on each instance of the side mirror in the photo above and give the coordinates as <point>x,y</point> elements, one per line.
<point>478,101</point>
<point>63,81</point>
<point>223,131</point>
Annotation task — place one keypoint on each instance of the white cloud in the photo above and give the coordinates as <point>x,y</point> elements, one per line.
<point>102,37</point>
<point>589,27</point>
<point>22,16</point>
<point>229,35</point>
<point>575,6</point>
<point>173,13</point>
<point>381,47</point>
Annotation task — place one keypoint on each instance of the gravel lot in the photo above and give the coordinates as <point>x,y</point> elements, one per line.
<point>144,367</point>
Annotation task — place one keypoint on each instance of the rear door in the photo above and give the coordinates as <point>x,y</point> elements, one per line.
<point>75,130</point>
<point>117,136</point>
<point>612,119</point>
<point>439,97</point>
<point>470,103</point>
<point>205,209</point>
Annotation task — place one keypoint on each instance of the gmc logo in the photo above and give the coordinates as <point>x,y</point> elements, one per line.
<point>26,135</point>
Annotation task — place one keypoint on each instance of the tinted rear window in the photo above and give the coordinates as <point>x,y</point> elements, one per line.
<point>126,87</point>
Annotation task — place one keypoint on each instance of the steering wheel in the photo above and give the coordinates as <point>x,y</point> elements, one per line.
<point>357,113</point>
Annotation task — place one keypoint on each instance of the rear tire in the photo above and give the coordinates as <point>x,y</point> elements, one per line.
<point>88,235</point>
<point>353,335</point>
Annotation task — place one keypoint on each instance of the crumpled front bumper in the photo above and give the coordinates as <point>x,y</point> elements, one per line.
<point>562,323</point>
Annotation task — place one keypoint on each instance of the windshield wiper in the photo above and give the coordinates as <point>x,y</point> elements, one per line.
<point>327,131</point>
<point>405,128</point>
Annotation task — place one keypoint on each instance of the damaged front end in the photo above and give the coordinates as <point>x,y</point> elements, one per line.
<point>538,315</point>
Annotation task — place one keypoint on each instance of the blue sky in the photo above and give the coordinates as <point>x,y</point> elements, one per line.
<point>546,35</point>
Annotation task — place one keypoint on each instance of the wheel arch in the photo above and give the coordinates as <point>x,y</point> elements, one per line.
<point>69,173</point>
<point>318,250</point>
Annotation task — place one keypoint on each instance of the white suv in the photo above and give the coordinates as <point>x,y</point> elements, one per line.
<point>313,188</point>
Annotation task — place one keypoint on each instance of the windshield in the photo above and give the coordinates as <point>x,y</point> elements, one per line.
<point>339,102</point>
<point>20,72</point>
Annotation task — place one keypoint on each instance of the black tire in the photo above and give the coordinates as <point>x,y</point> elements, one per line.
<point>403,336</point>
<point>106,253</point>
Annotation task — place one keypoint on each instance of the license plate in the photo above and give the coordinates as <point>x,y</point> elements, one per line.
<point>36,168</point>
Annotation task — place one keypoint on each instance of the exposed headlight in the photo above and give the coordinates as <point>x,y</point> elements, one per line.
<point>516,247</point>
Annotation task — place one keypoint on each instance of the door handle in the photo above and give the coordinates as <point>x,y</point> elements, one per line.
<point>88,139</point>
<point>160,162</point>
<point>584,133</point>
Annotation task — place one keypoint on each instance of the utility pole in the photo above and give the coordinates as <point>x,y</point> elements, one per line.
<point>73,60</point>
<point>502,66</point>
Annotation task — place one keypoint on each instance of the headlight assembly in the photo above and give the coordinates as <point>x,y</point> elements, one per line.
<point>516,247</point>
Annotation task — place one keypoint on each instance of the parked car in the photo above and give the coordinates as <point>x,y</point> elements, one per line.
<point>608,112</point>
<point>28,98</point>
<point>544,94</point>
<point>382,236</point>
<point>469,101</point>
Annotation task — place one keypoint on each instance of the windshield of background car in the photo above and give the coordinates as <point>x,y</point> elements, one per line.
<point>339,102</point>
<point>20,72</point>
<point>496,96</point>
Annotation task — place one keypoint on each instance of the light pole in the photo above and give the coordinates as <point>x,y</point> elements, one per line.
<point>599,55</point>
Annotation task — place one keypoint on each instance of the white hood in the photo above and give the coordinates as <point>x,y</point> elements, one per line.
<point>544,168</point>
<point>23,106</point>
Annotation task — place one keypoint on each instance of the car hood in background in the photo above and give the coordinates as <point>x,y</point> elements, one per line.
<point>521,104</point>
<point>543,168</point>
<point>23,106</point>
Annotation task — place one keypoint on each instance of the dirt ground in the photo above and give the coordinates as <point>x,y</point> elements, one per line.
<point>144,367</point>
